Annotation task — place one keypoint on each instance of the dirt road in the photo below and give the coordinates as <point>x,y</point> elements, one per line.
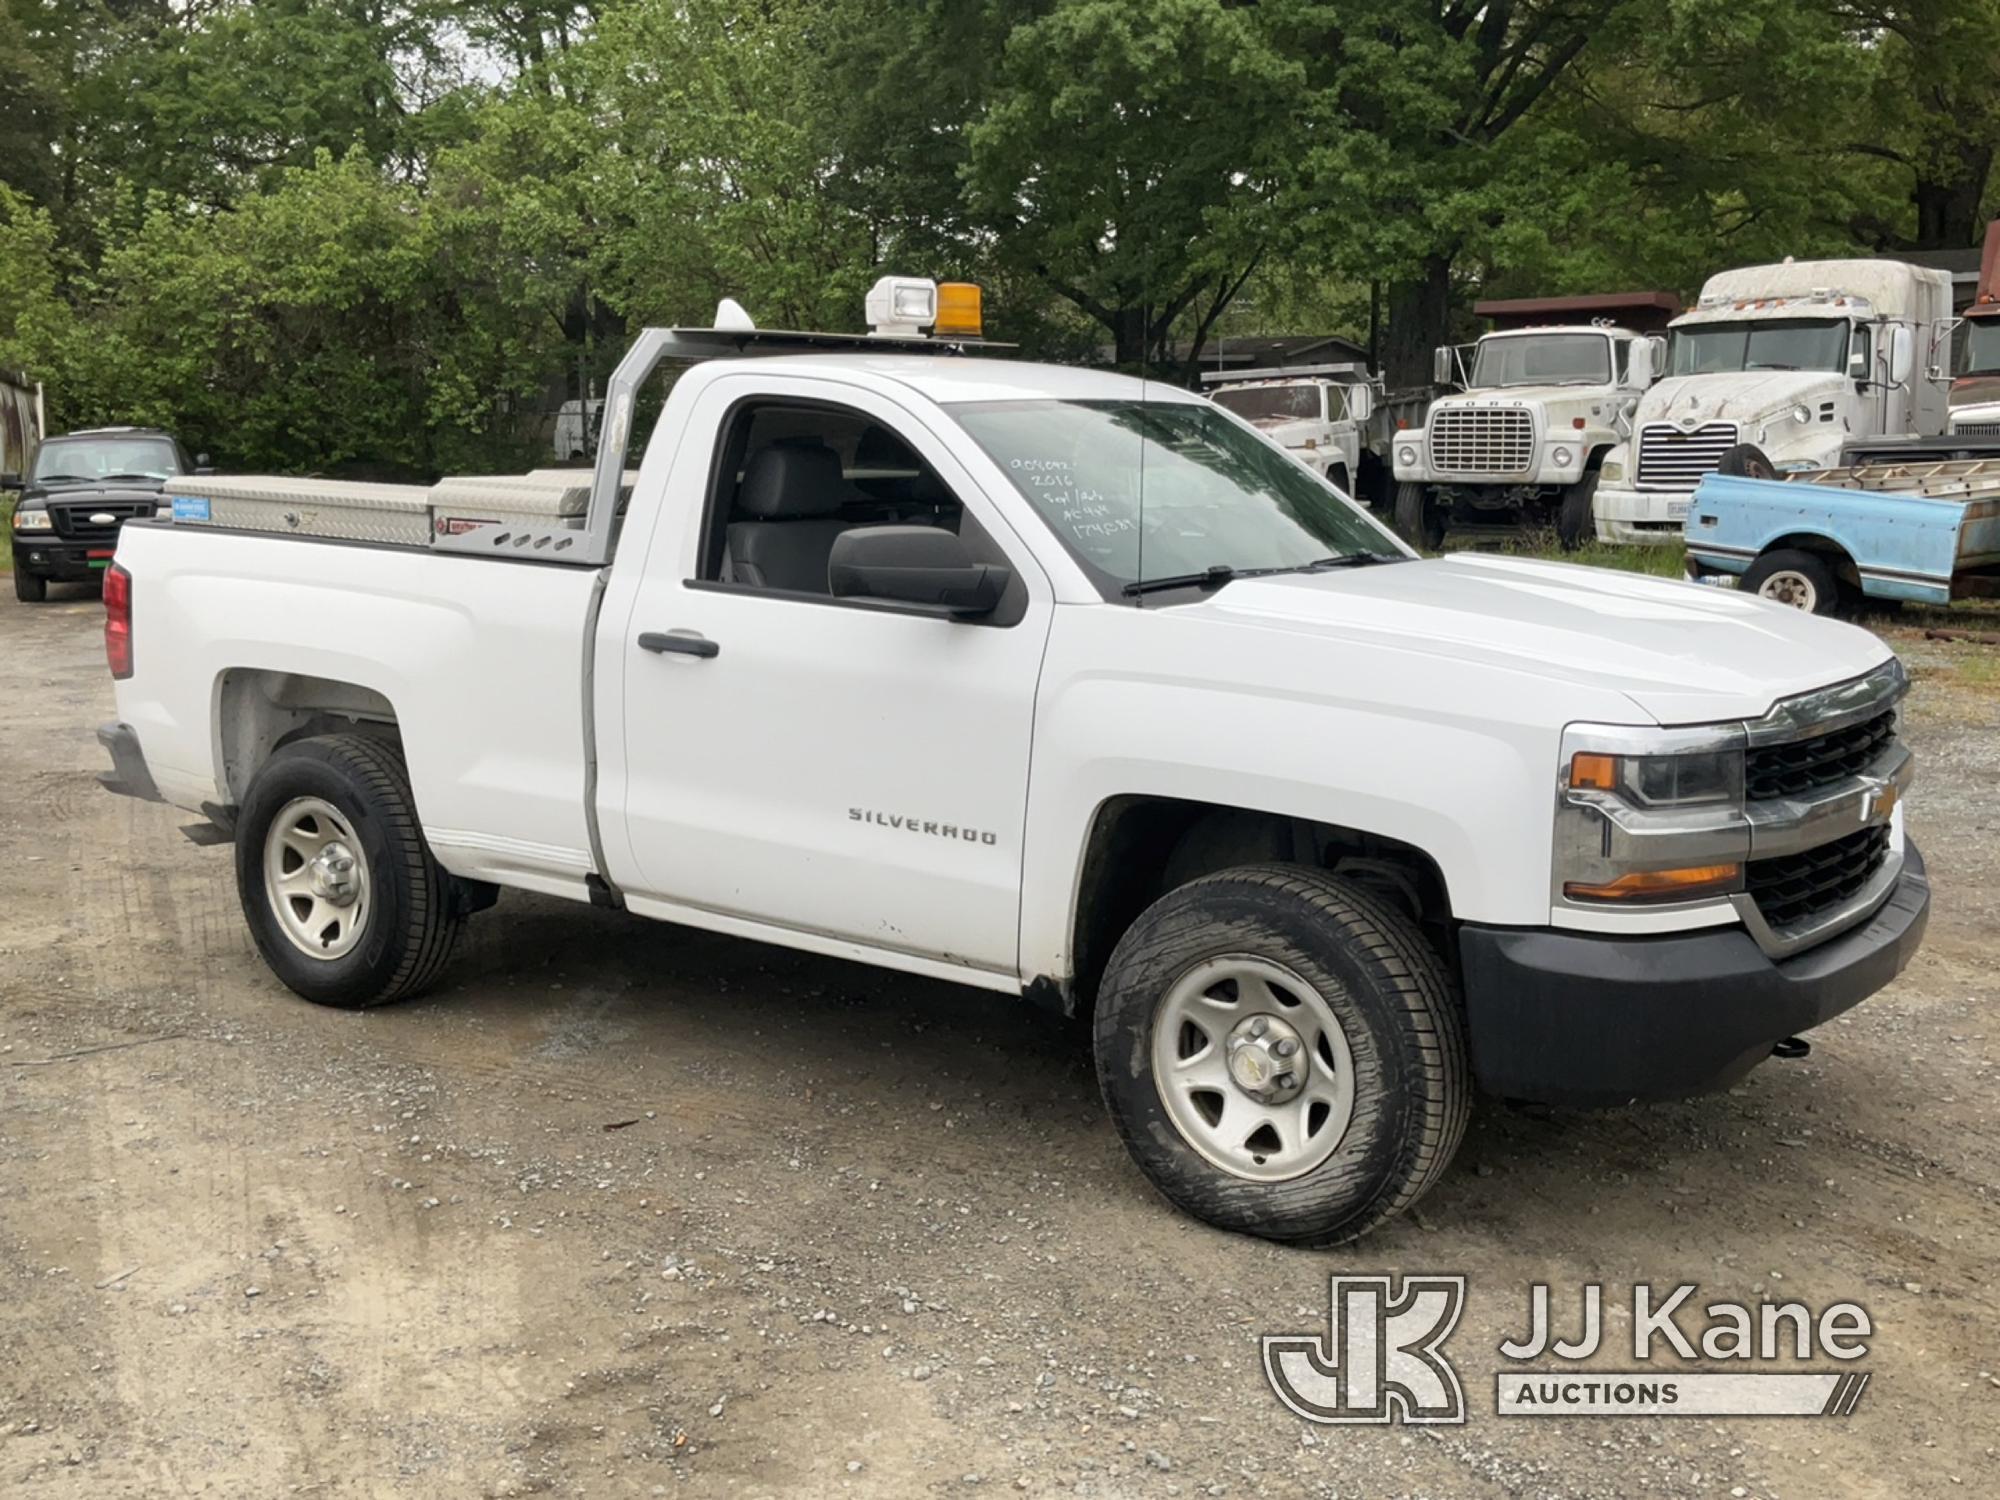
<point>631,1210</point>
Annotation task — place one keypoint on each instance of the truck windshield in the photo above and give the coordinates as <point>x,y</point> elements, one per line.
<point>106,458</point>
<point>1542,359</point>
<point>1781,344</point>
<point>1272,403</point>
<point>1980,352</point>
<point>1143,491</point>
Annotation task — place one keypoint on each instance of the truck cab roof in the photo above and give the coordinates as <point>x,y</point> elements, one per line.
<point>950,381</point>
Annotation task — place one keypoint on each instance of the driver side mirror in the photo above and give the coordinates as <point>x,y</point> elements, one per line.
<point>1444,364</point>
<point>1639,366</point>
<point>12,482</point>
<point>1360,402</point>
<point>201,464</point>
<point>1902,349</point>
<point>921,566</point>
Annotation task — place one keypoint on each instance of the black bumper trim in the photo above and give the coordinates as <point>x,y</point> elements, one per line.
<point>128,776</point>
<point>1572,1018</point>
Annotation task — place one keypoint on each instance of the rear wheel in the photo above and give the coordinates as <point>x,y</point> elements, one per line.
<point>28,588</point>
<point>342,895</point>
<point>1418,517</point>
<point>1283,1054</point>
<point>1800,579</point>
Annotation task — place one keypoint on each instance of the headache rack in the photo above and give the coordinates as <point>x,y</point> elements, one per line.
<point>1935,479</point>
<point>555,515</point>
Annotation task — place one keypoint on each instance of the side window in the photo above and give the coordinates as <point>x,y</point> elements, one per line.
<point>790,478</point>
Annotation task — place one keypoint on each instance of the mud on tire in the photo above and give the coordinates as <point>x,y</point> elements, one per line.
<point>1393,998</point>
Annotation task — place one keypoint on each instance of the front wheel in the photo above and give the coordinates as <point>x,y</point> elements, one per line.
<point>342,895</point>
<point>28,588</point>
<point>1576,521</point>
<point>1746,461</point>
<point>1283,1054</point>
<point>1418,517</point>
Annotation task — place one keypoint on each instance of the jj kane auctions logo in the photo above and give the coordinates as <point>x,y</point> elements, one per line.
<point>1382,1357</point>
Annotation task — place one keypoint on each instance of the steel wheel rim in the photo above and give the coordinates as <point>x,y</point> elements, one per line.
<point>1205,1019</point>
<point>1789,586</point>
<point>316,878</point>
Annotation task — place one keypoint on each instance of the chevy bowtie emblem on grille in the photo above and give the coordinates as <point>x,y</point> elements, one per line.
<point>103,518</point>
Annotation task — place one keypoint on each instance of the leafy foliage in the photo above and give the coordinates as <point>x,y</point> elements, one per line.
<point>393,236</point>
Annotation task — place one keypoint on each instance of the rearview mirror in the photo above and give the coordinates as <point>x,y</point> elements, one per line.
<point>1442,365</point>
<point>1360,402</point>
<point>1902,346</point>
<point>921,566</point>
<point>202,462</point>
<point>11,482</point>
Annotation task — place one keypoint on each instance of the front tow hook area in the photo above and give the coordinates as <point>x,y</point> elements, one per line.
<point>1791,1046</point>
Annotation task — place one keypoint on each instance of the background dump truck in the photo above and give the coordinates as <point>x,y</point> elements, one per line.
<point>1318,413</point>
<point>1535,406</point>
<point>1974,398</point>
<point>1774,369</point>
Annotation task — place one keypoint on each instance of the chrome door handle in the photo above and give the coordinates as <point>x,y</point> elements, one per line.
<point>684,642</point>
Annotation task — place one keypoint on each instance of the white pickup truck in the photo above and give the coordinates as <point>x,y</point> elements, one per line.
<point>1064,685</point>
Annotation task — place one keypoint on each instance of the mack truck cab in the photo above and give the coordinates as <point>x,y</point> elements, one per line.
<point>1774,369</point>
<point>1522,440</point>
<point>1974,398</point>
<point>1315,412</point>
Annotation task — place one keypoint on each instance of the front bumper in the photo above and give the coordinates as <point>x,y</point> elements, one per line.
<point>1646,517</point>
<point>44,554</point>
<point>1566,1018</point>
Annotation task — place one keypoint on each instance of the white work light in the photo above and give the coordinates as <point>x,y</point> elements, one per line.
<point>902,306</point>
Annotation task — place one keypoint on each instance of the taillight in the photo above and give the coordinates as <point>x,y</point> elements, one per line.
<point>118,621</point>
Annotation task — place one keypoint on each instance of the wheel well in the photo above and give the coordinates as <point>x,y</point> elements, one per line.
<point>257,711</point>
<point>1834,555</point>
<point>1142,847</point>
<point>1596,460</point>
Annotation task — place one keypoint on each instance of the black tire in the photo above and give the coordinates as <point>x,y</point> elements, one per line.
<point>1576,521</point>
<point>1746,461</point>
<point>1420,522</point>
<point>1337,477</point>
<point>1803,580</point>
<point>413,916</point>
<point>1390,993</point>
<point>28,588</point>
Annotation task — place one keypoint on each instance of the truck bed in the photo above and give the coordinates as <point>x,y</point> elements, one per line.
<point>482,666</point>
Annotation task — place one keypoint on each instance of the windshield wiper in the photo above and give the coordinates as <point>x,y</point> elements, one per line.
<point>134,476</point>
<point>1770,367</point>
<point>67,478</point>
<point>1215,576</point>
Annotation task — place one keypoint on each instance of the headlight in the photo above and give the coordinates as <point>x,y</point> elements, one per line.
<point>1650,816</point>
<point>1560,457</point>
<point>1612,471</point>
<point>31,520</point>
<point>1407,457</point>
<point>1802,413</point>
<point>1690,780</point>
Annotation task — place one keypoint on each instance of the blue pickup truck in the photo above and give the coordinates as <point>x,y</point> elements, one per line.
<point>1901,518</point>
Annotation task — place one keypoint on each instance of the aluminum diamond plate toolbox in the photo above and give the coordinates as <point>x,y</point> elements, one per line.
<point>547,497</point>
<point>342,509</point>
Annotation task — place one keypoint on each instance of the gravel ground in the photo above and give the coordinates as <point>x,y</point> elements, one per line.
<point>625,1209</point>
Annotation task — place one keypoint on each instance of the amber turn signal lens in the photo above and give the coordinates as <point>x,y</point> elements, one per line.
<point>958,310</point>
<point>1658,885</point>
<point>1599,773</point>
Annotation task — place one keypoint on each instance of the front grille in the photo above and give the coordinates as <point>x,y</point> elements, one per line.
<point>1798,766</point>
<point>1482,440</point>
<point>1676,460</point>
<point>1798,887</point>
<point>74,523</point>
<point>1976,429</point>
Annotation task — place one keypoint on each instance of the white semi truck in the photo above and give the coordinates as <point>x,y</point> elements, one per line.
<point>1316,413</point>
<point>1520,444</point>
<point>1773,370</point>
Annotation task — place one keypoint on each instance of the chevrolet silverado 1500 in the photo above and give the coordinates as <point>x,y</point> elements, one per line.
<point>1067,685</point>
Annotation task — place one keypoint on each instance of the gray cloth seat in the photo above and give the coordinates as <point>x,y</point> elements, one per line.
<point>786,518</point>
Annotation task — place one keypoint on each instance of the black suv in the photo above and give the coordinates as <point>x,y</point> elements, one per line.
<point>83,487</point>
